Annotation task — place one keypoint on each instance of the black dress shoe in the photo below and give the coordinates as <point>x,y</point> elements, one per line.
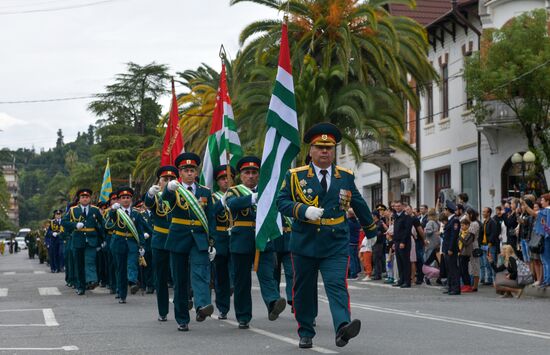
<point>397,285</point>
<point>183,327</point>
<point>243,325</point>
<point>305,343</point>
<point>117,296</point>
<point>277,307</point>
<point>222,316</point>
<point>445,292</point>
<point>405,286</point>
<point>122,301</point>
<point>134,289</point>
<point>80,292</point>
<point>162,319</point>
<point>347,332</point>
<point>204,312</point>
<point>454,293</point>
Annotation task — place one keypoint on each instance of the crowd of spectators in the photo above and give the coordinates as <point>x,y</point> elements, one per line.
<point>451,245</point>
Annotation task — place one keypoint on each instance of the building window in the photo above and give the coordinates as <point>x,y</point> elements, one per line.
<point>445,91</point>
<point>469,182</point>
<point>430,104</point>
<point>376,195</point>
<point>442,181</point>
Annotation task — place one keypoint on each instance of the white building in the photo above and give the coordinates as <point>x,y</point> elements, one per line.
<point>456,155</point>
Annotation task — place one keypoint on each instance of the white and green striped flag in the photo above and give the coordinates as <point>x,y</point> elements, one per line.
<point>223,136</point>
<point>281,145</point>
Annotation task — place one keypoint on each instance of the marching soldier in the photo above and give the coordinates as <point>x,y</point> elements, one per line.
<point>161,217</point>
<point>318,196</point>
<point>85,223</point>
<point>126,242</point>
<point>188,240</point>
<point>109,256</point>
<point>221,238</point>
<point>30,240</point>
<point>146,272</point>
<point>53,234</point>
<point>241,201</point>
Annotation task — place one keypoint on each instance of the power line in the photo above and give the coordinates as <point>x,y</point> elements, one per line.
<point>46,100</point>
<point>60,8</point>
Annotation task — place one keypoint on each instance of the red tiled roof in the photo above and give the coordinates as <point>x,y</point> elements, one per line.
<point>426,11</point>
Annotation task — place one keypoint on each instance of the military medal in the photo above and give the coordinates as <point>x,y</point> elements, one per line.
<point>345,199</point>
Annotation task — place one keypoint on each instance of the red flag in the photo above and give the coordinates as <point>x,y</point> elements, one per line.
<point>173,141</point>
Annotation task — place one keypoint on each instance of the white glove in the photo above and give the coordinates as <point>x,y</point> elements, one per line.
<point>314,213</point>
<point>103,245</point>
<point>146,235</point>
<point>254,198</point>
<point>79,225</point>
<point>54,234</point>
<point>115,206</point>
<point>153,190</point>
<point>211,253</point>
<point>173,185</point>
<point>141,251</point>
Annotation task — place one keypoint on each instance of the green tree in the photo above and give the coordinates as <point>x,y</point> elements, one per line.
<point>5,223</point>
<point>515,69</point>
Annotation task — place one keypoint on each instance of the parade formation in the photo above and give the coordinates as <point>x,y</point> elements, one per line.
<point>196,238</point>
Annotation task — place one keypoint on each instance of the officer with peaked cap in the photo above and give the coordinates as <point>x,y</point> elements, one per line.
<point>85,222</point>
<point>161,217</point>
<point>125,245</point>
<point>189,241</point>
<point>241,201</point>
<point>318,196</point>
<point>222,270</point>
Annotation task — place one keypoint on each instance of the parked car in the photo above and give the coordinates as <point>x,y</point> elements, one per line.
<point>20,238</point>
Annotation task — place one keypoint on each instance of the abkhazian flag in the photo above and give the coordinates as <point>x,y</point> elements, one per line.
<point>106,186</point>
<point>223,136</point>
<point>281,145</point>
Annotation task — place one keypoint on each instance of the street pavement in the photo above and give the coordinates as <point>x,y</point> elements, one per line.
<point>39,314</point>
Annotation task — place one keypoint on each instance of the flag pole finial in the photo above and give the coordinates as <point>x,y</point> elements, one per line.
<point>287,11</point>
<point>222,53</point>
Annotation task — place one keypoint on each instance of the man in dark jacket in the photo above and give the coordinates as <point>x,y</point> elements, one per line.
<point>489,242</point>
<point>450,248</point>
<point>354,230</point>
<point>402,228</point>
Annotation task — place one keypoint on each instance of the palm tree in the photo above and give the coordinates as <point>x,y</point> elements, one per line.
<point>353,60</point>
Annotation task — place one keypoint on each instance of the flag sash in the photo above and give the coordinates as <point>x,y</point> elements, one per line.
<point>194,204</point>
<point>129,224</point>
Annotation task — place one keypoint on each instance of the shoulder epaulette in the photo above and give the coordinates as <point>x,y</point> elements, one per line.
<point>300,168</point>
<point>204,187</point>
<point>349,171</point>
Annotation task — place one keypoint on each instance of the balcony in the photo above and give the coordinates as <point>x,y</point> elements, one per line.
<point>499,117</point>
<point>375,152</point>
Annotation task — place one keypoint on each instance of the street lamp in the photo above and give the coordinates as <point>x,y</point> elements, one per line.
<point>528,158</point>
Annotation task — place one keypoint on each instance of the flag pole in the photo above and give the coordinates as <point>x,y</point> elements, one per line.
<point>169,123</point>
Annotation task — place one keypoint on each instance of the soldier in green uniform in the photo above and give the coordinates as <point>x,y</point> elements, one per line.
<point>189,241</point>
<point>106,245</point>
<point>30,240</point>
<point>85,222</point>
<point>161,217</point>
<point>221,237</point>
<point>41,246</point>
<point>70,274</point>
<point>318,196</point>
<point>241,201</point>
<point>146,277</point>
<point>127,242</point>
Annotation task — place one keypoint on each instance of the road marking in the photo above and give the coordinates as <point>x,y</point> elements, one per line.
<point>282,338</point>
<point>38,272</point>
<point>8,273</point>
<point>3,292</point>
<point>49,291</point>
<point>49,318</point>
<point>63,348</point>
<point>458,321</point>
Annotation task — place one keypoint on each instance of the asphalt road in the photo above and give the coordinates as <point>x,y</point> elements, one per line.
<point>38,314</point>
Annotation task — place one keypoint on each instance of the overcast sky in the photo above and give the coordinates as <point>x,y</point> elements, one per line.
<point>48,53</point>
